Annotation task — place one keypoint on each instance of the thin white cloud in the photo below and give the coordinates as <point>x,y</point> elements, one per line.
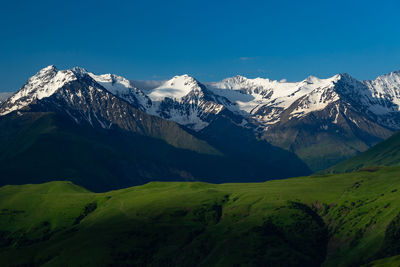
<point>246,58</point>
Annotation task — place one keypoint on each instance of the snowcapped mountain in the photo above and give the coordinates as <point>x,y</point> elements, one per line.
<point>381,98</point>
<point>321,120</point>
<point>334,122</point>
<point>340,112</point>
<point>181,99</point>
<point>45,83</point>
<point>186,101</point>
<point>265,100</point>
<point>107,104</point>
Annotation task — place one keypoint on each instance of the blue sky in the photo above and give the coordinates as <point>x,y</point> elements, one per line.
<point>210,40</point>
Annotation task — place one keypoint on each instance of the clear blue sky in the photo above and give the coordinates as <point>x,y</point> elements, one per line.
<point>210,40</point>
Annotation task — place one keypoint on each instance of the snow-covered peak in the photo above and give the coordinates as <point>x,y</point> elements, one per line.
<point>346,78</point>
<point>391,80</point>
<point>383,93</point>
<point>268,92</point>
<point>175,88</point>
<point>185,100</point>
<point>50,68</point>
<point>43,84</point>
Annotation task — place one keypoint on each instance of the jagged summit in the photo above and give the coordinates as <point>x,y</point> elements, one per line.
<point>267,98</point>
<point>43,84</point>
<point>345,75</point>
<point>261,99</point>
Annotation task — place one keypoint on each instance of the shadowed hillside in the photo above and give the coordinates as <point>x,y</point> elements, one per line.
<point>37,147</point>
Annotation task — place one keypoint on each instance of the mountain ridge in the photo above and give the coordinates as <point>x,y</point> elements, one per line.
<point>348,114</point>
<point>273,95</point>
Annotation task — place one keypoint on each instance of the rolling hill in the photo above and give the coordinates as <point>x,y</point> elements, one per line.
<point>331,220</point>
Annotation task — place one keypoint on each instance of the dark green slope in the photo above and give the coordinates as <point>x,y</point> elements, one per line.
<point>37,147</point>
<point>386,153</point>
<point>255,154</point>
<point>333,220</point>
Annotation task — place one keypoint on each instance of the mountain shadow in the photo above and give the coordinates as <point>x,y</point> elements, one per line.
<point>258,159</point>
<point>36,147</point>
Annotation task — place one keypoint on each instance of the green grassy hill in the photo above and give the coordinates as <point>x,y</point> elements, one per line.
<point>386,153</point>
<point>334,220</point>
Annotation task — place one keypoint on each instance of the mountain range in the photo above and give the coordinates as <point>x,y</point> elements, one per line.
<point>256,127</point>
<point>94,131</point>
<point>69,129</point>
